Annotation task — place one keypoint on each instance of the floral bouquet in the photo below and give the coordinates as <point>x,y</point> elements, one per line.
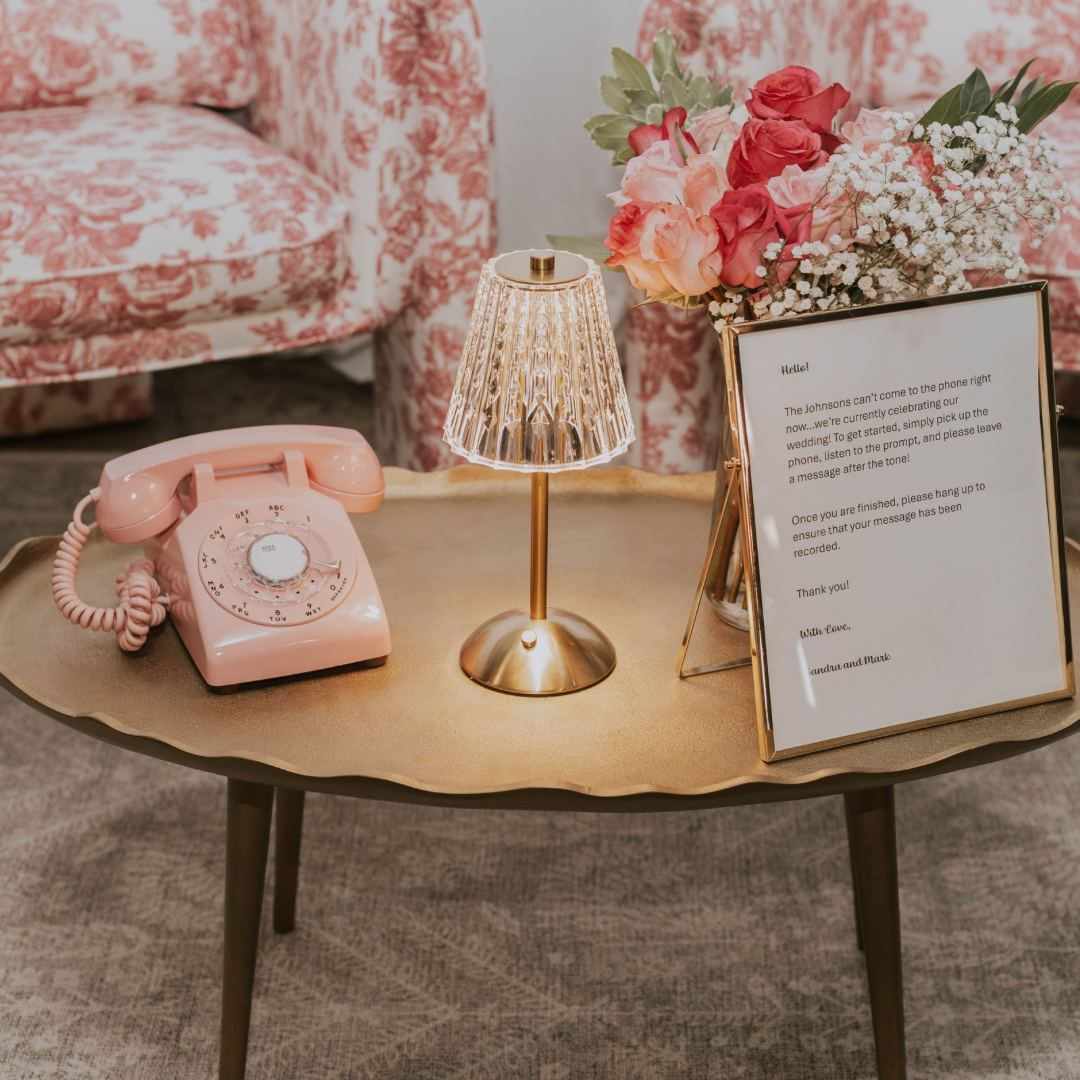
<point>774,208</point>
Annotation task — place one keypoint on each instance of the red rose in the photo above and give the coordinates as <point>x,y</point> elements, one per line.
<point>796,93</point>
<point>749,221</point>
<point>765,148</point>
<point>641,138</point>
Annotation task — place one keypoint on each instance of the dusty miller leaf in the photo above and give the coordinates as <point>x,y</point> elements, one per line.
<point>673,93</point>
<point>665,52</point>
<point>630,71</point>
<point>611,92</point>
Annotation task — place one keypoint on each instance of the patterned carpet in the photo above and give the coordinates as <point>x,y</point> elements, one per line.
<point>468,945</point>
<point>473,945</point>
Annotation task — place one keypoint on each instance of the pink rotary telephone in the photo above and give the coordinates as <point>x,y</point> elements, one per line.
<point>249,531</point>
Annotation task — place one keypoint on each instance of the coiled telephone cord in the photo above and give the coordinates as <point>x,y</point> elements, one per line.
<point>142,604</point>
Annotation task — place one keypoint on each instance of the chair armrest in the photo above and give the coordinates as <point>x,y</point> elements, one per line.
<point>387,102</point>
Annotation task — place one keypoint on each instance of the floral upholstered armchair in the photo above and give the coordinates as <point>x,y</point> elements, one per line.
<point>900,53</point>
<point>139,232</point>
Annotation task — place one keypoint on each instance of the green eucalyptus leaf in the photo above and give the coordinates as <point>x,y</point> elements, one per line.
<point>611,92</point>
<point>665,53</point>
<point>1006,90</point>
<point>655,114</point>
<point>944,109</point>
<point>673,93</point>
<point>630,71</point>
<point>623,156</point>
<point>1032,87</point>
<point>581,245</point>
<point>1041,104</point>
<point>726,95</point>
<point>974,94</point>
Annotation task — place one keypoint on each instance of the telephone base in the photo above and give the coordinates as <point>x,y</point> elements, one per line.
<point>301,676</point>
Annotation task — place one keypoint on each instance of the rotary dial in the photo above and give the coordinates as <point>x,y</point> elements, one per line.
<point>278,570</point>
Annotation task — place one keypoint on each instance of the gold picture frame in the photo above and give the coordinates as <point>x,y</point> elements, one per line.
<point>737,500</point>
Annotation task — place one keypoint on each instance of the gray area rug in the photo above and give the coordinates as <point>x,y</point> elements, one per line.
<point>437,944</point>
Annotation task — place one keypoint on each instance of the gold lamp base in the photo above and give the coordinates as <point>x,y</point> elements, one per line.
<point>521,655</point>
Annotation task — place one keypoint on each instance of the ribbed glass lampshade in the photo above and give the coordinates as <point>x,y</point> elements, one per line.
<point>539,388</point>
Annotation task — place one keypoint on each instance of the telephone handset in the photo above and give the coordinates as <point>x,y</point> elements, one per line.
<point>249,531</point>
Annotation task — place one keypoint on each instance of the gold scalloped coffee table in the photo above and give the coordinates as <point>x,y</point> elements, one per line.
<point>448,549</point>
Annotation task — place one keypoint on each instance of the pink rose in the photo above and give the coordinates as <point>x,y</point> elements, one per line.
<point>702,180</point>
<point>624,243</point>
<point>922,158</point>
<point>683,245</point>
<point>715,131</point>
<point>749,221</point>
<point>793,187</point>
<point>641,138</point>
<point>864,132</point>
<point>796,93</point>
<point>765,147</point>
<point>652,176</point>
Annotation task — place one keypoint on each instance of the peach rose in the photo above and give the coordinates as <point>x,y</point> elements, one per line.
<point>864,132</point>
<point>653,176</point>
<point>624,243</point>
<point>683,246</point>
<point>703,181</point>
<point>715,131</point>
<point>793,187</point>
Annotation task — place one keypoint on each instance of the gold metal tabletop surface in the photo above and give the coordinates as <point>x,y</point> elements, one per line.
<point>449,550</point>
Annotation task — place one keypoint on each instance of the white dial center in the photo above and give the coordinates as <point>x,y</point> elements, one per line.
<point>277,559</point>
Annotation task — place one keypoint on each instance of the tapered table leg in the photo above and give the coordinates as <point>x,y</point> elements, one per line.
<point>246,844</point>
<point>872,821</point>
<point>287,832</point>
<point>854,876</point>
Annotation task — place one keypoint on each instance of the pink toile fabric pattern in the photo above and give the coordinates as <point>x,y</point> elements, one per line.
<point>148,217</point>
<point>895,52</point>
<point>387,102</point>
<point>72,52</point>
<point>137,238</point>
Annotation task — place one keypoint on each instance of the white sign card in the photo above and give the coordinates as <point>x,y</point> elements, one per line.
<point>899,479</point>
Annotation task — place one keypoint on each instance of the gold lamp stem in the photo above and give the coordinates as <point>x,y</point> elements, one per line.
<point>544,650</point>
<point>539,548</point>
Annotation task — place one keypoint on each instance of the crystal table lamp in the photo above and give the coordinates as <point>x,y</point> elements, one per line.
<point>539,391</point>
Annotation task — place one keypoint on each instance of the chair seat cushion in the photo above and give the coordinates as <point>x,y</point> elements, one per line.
<point>119,220</point>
